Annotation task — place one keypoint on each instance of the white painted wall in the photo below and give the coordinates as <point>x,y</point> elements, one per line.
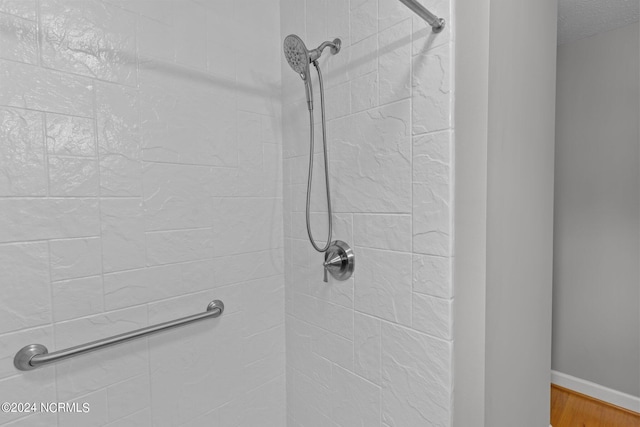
<point>470,220</point>
<point>140,163</point>
<point>522,71</point>
<point>503,307</point>
<point>596,323</point>
<point>375,350</point>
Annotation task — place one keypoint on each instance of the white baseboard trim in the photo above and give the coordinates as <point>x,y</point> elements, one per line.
<point>597,391</point>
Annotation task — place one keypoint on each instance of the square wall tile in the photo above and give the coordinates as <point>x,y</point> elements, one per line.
<point>165,247</point>
<point>95,39</point>
<point>371,161</point>
<point>176,196</point>
<point>22,8</point>
<point>355,401</point>
<point>22,153</point>
<point>123,238</point>
<point>431,220</point>
<point>25,280</point>
<point>431,84</point>
<point>71,258</point>
<point>70,176</point>
<point>254,216</point>
<point>189,31</point>
<point>42,89</point>
<point>70,136</point>
<point>364,20</point>
<point>77,297</point>
<point>383,285</point>
<point>53,218</point>
<point>380,231</point>
<point>432,275</point>
<point>19,39</point>
<point>416,378</point>
<point>367,347</point>
<point>394,62</point>
<point>433,315</point>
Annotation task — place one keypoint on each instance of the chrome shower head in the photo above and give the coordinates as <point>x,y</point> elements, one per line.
<point>297,55</point>
<point>299,58</point>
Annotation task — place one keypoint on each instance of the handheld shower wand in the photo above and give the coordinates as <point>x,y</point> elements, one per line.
<point>339,259</point>
<point>299,58</point>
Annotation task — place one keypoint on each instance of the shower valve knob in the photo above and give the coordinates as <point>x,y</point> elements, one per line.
<point>339,261</point>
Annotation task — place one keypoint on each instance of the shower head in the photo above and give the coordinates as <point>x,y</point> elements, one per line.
<point>297,55</point>
<point>299,58</point>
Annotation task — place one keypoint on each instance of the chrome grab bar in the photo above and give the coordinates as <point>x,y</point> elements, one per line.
<point>36,355</point>
<point>437,24</point>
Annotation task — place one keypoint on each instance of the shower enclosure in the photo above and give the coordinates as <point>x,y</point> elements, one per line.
<point>154,158</point>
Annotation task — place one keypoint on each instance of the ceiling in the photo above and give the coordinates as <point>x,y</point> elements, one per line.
<point>582,18</point>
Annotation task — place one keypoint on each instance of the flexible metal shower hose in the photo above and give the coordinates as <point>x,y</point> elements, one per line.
<point>326,168</point>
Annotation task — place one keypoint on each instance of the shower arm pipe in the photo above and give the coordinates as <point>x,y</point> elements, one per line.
<point>335,46</point>
<point>33,356</point>
<point>437,24</point>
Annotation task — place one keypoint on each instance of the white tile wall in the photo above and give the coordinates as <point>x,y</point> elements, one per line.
<point>375,350</point>
<point>140,178</point>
